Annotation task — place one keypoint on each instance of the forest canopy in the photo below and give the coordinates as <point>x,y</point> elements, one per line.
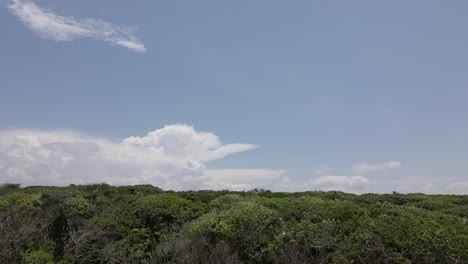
<point>100,223</point>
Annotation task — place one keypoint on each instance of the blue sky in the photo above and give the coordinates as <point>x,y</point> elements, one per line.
<point>359,96</point>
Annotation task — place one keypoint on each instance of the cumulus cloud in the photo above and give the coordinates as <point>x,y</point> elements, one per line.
<point>173,157</point>
<point>60,28</point>
<point>364,168</point>
<point>184,142</point>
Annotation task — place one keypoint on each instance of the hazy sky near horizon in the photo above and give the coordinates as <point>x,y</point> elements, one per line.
<point>358,96</point>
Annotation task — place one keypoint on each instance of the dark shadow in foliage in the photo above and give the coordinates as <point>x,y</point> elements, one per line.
<point>8,188</point>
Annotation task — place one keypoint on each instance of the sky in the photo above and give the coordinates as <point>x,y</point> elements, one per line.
<point>354,96</point>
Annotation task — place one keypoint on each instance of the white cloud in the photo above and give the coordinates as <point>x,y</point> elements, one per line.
<point>459,187</point>
<point>173,157</point>
<point>52,26</point>
<point>240,179</point>
<point>429,188</point>
<point>184,142</point>
<point>351,184</point>
<point>321,170</point>
<point>364,168</point>
<point>417,185</point>
<point>341,183</point>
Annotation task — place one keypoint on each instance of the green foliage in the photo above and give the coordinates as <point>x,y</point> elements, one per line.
<point>226,201</point>
<point>39,257</point>
<point>20,200</point>
<point>100,223</point>
<point>248,225</point>
<point>8,188</point>
<point>165,212</point>
<point>78,206</point>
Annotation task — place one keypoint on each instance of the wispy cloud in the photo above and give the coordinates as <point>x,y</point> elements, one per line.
<point>353,184</point>
<point>447,185</point>
<point>321,170</point>
<point>364,168</point>
<point>240,179</point>
<point>341,183</point>
<point>60,28</point>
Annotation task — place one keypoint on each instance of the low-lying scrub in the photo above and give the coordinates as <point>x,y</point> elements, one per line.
<point>143,224</point>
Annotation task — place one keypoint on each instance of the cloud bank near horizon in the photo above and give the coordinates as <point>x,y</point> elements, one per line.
<point>60,28</point>
<point>172,157</point>
<point>175,157</point>
<point>351,184</point>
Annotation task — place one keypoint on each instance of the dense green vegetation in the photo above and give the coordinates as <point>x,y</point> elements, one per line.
<point>144,224</point>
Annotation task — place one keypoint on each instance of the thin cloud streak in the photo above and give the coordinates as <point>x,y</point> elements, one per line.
<point>364,168</point>
<point>60,28</point>
<point>353,184</point>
